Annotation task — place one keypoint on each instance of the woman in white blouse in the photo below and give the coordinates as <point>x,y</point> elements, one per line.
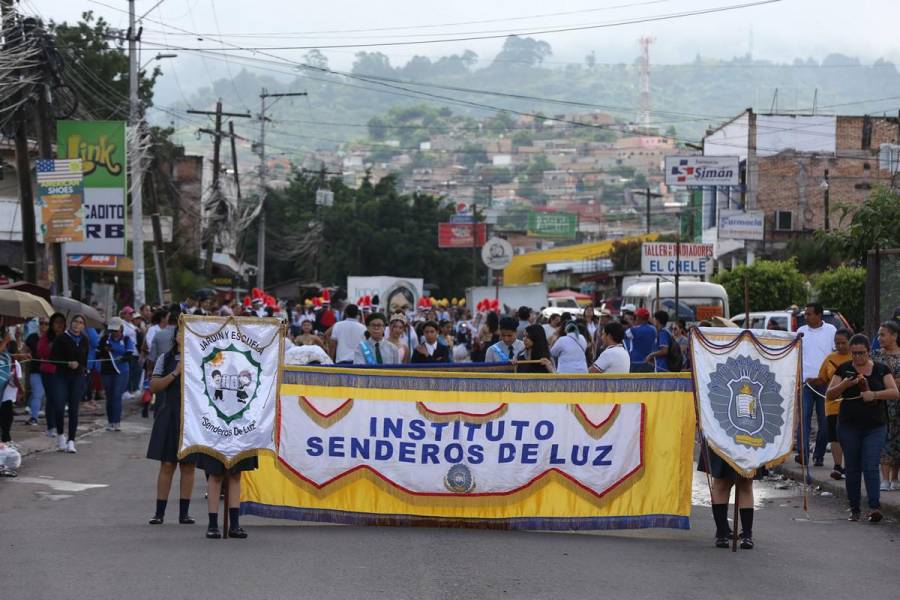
<point>569,351</point>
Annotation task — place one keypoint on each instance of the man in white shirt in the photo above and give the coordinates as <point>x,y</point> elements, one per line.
<point>615,358</point>
<point>818,342</point>
<point>344,337</point>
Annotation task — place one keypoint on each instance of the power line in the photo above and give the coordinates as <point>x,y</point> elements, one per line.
<point>641,20</point>
<point>456,24</point>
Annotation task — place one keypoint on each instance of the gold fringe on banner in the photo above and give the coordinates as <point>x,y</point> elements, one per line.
<point>450,417</point>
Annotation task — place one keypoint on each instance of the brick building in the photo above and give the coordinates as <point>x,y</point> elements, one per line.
<point>791,164</point>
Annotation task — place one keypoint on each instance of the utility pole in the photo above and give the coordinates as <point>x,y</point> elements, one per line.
<point>216,204</point>
<point>234,163</point>
<point>826,187</point>
<point>45,144</point>
<point>137,168</point>
<point>23,164</point>
<point>159,251</point>
<point>648,195</point>
<point>263,192</point>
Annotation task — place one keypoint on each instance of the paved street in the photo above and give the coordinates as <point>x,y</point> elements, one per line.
<point>76,527</point>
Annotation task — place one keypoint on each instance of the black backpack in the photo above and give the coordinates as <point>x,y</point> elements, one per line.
<point>675,356</point>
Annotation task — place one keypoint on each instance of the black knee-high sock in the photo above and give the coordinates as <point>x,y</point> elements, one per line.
<point>161,508</point>
<point>233,516</point>
<point>213,520</point>
<point>747,521</point>
<point>183,506</point>
<point>720,515</point>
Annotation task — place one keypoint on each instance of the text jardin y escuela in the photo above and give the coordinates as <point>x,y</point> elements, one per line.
<point>457,442</point>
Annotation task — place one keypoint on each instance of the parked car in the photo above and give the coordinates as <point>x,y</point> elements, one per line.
<point>787,320</point>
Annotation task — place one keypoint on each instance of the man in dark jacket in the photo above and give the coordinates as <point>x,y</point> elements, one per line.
<point>431,351</point>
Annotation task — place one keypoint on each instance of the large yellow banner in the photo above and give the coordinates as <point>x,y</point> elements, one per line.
<point>478,449</point>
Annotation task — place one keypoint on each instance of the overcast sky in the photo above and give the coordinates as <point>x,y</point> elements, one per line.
<point>779,31</point>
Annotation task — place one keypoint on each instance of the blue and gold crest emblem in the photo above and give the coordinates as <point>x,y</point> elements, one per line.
<point>459,479</point>
<point>746,401</point>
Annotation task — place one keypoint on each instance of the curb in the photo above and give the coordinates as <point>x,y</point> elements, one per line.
<point>890,501</point>
<point>129,408</point>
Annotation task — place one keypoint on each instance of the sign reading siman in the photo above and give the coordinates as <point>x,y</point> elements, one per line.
<point>232,367</point>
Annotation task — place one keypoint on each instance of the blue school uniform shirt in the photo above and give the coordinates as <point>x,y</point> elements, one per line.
<point>643,342</point>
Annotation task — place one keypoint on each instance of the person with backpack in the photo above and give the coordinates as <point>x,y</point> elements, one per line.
<point>666,347</point>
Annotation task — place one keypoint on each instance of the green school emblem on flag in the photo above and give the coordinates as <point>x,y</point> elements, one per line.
<point>231,381</point>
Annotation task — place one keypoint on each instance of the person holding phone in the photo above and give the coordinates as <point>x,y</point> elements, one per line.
<point>863,386</point>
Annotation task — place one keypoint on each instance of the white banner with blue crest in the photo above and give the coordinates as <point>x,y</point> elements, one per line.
<point>746,388</point>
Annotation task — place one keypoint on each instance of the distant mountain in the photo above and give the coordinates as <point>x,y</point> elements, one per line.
<point>687,97</point>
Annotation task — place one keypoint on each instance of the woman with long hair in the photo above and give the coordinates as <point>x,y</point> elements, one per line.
<point>488,335</point>
<point>69,353</point>
<point>863,385</point>
<point>889,355</point>
<point>398,332</point>
<point>166,384</point>
<point>569,350</point>
<point>536,349</point>
<point>55,327</point>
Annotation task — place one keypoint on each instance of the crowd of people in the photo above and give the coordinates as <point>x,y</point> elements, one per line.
<point>67,365</point>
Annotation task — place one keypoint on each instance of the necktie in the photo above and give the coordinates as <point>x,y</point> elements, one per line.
<point>510,352</point>
<point>378,358</point>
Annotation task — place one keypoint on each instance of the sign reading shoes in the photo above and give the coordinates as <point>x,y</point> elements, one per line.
<point>229,385</point>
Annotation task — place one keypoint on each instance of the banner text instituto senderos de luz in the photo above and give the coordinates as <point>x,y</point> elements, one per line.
<point>471,449</point>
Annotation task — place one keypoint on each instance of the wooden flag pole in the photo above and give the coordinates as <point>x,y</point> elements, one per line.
<point>225,523</point>
<point>734,529</point>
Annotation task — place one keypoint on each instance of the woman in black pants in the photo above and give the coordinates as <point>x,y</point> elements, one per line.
<point>69,353</point>
<point>166,384</point>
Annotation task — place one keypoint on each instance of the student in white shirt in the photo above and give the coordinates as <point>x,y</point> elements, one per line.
<point>615,358</point>
<point>344,337</point>
<point>818,343</point>
<point>569,351</point>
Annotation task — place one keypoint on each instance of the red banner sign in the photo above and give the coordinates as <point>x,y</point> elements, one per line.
<point>461,235</point>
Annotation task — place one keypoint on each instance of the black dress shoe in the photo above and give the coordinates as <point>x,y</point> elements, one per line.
<point>188,520</point>
<point>156,520</point>
<point>213,533</point>
<point>746,542</point>
<point>237,533</point>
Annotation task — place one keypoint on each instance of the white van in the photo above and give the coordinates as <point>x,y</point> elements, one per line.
<point>697,300</point>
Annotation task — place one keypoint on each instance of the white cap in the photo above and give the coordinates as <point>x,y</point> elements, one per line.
<point>115,324</point>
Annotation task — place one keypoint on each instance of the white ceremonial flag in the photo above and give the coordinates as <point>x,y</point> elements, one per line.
<point>232,369</point>
<point>746,385</point>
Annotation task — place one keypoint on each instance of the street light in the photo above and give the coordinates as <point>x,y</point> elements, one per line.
<point>159,56</point>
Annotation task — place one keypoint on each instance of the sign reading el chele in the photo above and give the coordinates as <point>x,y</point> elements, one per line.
<point>662,258</point>
<point>229,385</point>
<point>740,225</point>
<point>702,170</point>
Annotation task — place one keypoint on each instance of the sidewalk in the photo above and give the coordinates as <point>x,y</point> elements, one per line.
<point>821,476</point>
<point>30,439</point>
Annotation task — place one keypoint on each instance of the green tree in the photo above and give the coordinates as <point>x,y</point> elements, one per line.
<point>872,224</point>
<point>773,285</point>
<point>522,51</point>
<point>373,63</point>
<point>370,231</point>
<point>96,67</point>
<point>844,289</point>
